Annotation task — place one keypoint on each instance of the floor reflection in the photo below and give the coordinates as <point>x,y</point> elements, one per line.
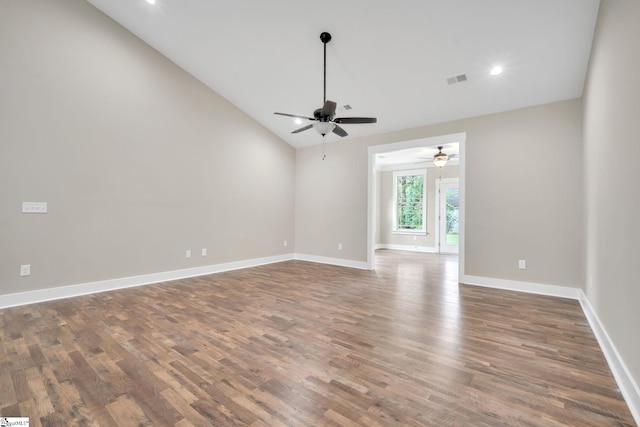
<point>426,298</point>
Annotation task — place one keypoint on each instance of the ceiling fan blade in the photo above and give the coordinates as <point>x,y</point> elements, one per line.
<point>325,115</point>
<point>295,115</point>
<point>339,131</point>
<point>329,109</point>
<point>302,129</point>
<point>355,120</point>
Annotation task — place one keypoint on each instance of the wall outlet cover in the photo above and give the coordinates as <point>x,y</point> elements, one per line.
<point>25,270</point>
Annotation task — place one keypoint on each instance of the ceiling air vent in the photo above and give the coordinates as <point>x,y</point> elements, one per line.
<point>457,79</point>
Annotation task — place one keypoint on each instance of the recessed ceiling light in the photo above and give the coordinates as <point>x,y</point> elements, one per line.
<point>151,1</point>
<point>298,121</point>
<point>496,70</point>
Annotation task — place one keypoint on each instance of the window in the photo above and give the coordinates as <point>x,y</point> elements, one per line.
<point>409,200</point>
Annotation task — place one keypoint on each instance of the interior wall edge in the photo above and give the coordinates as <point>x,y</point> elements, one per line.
<point>55,293</point>
<point>527,287</point>
<point>340,262</point>
<point>75,290</point>
<point>624,379</point>
<point>408,248</point>
<point>628,386</point>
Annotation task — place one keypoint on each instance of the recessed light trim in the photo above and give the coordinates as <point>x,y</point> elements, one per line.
<point>151,1</point>
<point>496,70</point>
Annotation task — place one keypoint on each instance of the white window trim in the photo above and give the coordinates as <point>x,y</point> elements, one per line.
<point>396,174</point>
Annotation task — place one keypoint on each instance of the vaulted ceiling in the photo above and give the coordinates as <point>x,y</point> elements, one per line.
<point>387,59</point>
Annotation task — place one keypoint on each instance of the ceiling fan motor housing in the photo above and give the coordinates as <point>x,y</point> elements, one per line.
<point>324,117</point>
<point>318,115</point>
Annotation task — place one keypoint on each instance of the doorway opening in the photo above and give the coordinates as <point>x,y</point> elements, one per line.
<point>377,174</point>
<point>448,219</point>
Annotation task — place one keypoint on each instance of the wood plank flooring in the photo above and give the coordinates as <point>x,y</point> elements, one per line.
<point>303,344</point>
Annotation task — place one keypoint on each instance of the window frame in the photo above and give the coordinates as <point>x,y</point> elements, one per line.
<point>412,172</point>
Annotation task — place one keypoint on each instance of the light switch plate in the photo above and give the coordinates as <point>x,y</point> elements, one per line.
<point>34,207</point>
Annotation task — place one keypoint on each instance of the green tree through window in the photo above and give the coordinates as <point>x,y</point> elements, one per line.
<point>409,201</point>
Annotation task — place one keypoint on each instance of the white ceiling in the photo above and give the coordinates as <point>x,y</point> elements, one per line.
<point>388,59</point>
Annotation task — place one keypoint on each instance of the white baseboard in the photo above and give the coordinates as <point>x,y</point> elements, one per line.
<point>362,265</point>
<point>625,380</point>
<point>50,294</point>
<point>410,248</point>
<point>529,287</point>
<point>628,387</point>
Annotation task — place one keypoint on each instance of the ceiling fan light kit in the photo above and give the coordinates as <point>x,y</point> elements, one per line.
<point>441,158</point>
<point>324,119</point>
<point>324,128</point>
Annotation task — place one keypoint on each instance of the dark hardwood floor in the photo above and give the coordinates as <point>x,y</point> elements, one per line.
<point>303,344</point>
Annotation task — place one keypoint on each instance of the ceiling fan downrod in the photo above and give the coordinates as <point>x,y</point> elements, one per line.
<point>325,38</point>
<point>324,119</point>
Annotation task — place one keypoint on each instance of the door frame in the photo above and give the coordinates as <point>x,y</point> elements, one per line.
<point>372,186</point>
<point>439,243</point>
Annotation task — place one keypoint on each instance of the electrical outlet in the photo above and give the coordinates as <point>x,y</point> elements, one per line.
<point>187,254</point>
<point>204,252</point>
<point>339,246</point>
<point>522,264</point>
<point>25,270</point>
<point>285,243</point>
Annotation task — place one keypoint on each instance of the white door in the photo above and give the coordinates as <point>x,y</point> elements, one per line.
<point>448,214</point>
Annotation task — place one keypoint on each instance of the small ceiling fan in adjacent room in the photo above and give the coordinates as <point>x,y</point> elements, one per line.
<point>323,118</point>
<point>440,159</point>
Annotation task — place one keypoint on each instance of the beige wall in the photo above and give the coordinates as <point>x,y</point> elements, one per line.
<point>384,232</point>
<point>137,160</point>
<point>612,151</point>
<point>140,162</point>
<point>523,194</point>
<point>331,201</point>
